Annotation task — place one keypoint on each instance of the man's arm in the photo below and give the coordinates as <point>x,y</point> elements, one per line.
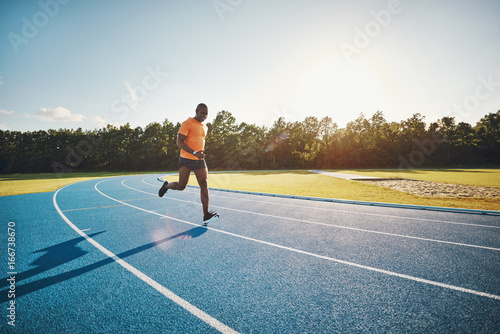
<point>180,142</point>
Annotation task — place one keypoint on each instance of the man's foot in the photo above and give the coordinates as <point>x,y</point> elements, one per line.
<point>163,189</point>
<point>211,216</point>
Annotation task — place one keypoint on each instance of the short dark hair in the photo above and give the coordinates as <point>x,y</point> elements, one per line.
<point>201,105</point>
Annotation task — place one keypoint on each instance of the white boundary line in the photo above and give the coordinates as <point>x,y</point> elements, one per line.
<point>157,286</point>
<point>352,264</point>
<point>346,211</point>
<point>324,224</point>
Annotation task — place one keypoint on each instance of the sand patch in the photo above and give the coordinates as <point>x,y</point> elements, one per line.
<point>437,189</point>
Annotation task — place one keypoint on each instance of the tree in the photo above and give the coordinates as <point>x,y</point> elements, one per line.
<point>222,141</point>
<point>488,137</point>
<point>274,140</point>
<point>250,148</point>
<point>326,134</point>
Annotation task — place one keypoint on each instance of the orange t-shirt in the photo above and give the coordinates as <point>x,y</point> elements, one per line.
<point>195,133</point>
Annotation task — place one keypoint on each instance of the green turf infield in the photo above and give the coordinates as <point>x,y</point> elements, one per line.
<point>297,182</point>
<point>18,184</point>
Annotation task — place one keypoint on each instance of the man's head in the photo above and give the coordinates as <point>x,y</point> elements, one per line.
<point>201,112</point>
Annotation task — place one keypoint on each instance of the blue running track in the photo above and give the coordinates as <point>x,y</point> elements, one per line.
<point>110,256</point>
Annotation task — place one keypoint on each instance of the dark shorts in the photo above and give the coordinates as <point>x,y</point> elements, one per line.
<point>192,164</point>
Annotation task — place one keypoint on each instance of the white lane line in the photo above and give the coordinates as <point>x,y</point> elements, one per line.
<point>91,208</point>
<point>352,264</point>
<point>157,286</point>
<point>346,211</point>
<point>364,213</point>
<point>325,224</point>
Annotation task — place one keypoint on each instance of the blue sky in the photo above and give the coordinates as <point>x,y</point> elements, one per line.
<point>70,64</point>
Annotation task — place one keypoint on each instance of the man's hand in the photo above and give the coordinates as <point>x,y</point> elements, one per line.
<point>200,154</point>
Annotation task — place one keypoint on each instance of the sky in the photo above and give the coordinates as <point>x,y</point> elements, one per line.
<point>71,64</point>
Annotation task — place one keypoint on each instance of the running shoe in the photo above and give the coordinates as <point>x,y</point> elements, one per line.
<point>163,189</point>
<point>211,216</point>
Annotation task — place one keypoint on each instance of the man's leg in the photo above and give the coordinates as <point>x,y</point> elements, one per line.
<point>183,179</point>
<point>202,176</point>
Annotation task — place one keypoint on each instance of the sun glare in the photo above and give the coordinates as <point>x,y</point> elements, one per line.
<point>339,90</point>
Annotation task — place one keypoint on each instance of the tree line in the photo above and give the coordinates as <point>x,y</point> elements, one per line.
<point>312,143</point>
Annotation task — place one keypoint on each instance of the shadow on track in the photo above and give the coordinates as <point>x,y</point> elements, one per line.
<point>53,257</point>
<point>68,251</point>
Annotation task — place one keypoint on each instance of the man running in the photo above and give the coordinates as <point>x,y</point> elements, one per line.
<point>191,140</point>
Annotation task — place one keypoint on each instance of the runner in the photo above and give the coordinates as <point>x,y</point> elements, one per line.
<point>191,140</point>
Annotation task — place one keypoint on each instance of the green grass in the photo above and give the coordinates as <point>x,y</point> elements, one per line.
<point>298,182</point>
<point>308,184</point>
<point>18,184</point>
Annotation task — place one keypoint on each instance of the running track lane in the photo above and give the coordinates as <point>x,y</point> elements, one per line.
<point>292,266</point>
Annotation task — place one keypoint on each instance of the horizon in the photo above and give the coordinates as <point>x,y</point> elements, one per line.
<point>117,126</point>
<point>70,65</point>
